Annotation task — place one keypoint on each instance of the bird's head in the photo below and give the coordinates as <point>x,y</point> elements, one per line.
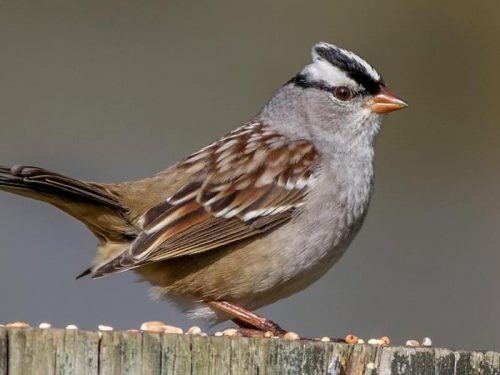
<point>338,92</point>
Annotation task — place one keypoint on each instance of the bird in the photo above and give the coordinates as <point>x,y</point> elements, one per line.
<point>254,217</point>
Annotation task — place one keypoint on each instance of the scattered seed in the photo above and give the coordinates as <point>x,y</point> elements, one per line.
<point>231,332</point>
<point>268,334</point>
<point>71,326</point>
<point>44,325</point>
<point>412,343</point>
<point>375,342</point>
<point>360,341</point>
<point>172,329</point>
<point>194,330</point>
<point>218,334</point>
<point>325,339</point>
<point>385,341</point>
<point>18,325</point>
<point>132,330</point>
<point>351,339</point>
<point>203,334</point>
<point>427,342</point>
<point>153,326</point>
<point>104,328</point>
<point>291,336</point>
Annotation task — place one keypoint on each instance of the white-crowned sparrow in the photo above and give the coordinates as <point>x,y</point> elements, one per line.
<point>255,216</point>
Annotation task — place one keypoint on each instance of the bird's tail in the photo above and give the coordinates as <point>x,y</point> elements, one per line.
<point>96,205</point>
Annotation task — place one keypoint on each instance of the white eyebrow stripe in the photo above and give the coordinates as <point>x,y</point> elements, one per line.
<point>323,71</point>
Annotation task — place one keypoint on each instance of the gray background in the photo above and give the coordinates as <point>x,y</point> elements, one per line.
<point>116,90</point>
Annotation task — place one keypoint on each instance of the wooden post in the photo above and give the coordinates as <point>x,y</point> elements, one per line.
<point>59,351</point>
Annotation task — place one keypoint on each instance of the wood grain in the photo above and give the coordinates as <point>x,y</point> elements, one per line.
<point>59,351</point>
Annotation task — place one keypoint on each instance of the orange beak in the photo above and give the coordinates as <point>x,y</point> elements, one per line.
<point>385,101</point>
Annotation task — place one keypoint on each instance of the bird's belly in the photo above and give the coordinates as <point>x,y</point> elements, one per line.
<point>300,255</point>
<point>263,270</point>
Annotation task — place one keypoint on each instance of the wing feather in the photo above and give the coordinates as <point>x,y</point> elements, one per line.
<point>245,184</point>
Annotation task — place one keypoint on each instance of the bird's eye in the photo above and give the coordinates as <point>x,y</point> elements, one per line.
<point>343,93</point>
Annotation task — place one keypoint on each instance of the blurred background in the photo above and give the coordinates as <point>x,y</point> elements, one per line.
<point>117,90</point>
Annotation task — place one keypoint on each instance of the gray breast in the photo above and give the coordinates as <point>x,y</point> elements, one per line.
<point>318,236</point>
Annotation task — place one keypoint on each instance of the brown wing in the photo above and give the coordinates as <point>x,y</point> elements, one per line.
<point>243,185</point>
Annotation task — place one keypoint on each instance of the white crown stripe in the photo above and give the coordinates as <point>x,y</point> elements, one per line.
<point>350,55</point>
<point>323,71</point>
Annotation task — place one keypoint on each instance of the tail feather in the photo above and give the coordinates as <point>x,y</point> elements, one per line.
<point>97,206</point>
<point>38,180</point>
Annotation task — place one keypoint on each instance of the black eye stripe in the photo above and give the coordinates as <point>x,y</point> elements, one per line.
<point>351,67</point>
<point>301,81</point>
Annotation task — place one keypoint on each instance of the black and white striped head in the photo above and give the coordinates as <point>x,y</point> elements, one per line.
<point>337,99</point>
<point>334,67</point>
<point>347,78</point>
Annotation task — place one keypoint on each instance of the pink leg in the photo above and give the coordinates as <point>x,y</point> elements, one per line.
<point>246,319</point>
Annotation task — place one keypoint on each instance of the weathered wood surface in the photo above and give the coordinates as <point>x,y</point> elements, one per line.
<point>58,351</point>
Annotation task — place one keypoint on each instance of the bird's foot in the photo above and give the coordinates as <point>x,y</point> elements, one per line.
<point>266,328</point>
<point>248,321</point>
